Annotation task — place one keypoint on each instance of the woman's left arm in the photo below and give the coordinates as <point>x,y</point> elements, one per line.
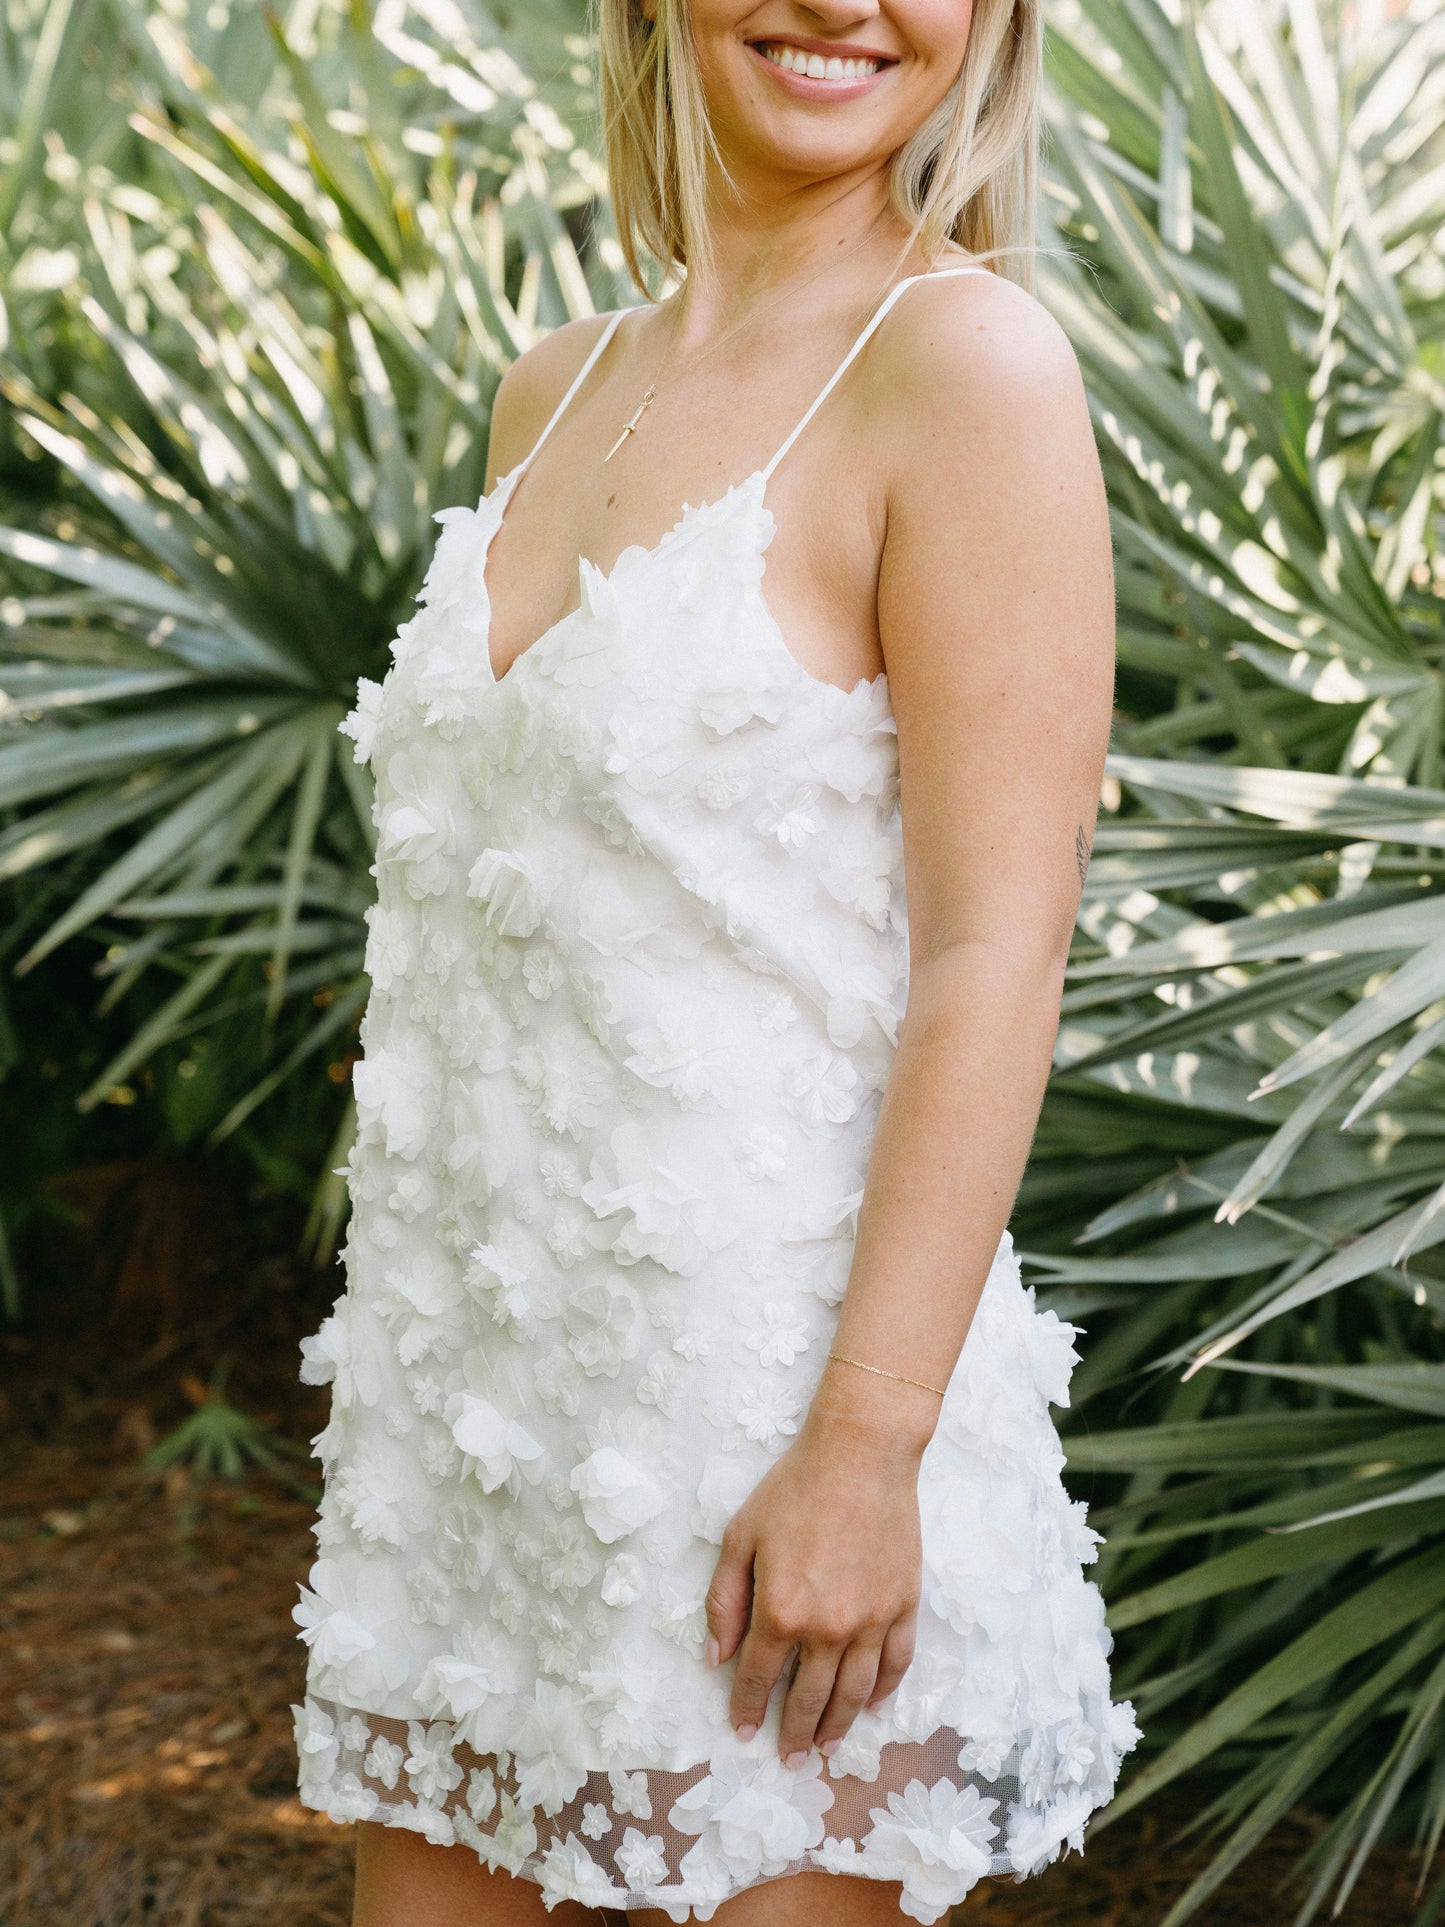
<point>996,611</point>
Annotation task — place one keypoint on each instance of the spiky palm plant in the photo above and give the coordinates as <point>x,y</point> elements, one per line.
<point>1237,1180</point>
<point>292,337</point>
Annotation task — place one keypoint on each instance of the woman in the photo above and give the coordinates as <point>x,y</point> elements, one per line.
<point>677,1554</point>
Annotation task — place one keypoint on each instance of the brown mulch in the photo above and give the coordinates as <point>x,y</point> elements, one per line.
<point>148,1661</point>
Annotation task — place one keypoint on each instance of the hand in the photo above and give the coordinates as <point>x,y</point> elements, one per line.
<point>825,1555</point>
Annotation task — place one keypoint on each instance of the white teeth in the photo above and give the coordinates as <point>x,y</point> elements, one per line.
<point>795,61</point>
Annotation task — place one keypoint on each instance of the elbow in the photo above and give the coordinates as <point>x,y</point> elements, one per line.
<point>1021,966</point>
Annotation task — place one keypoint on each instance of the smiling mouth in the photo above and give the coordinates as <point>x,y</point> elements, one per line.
<point>815,66</point>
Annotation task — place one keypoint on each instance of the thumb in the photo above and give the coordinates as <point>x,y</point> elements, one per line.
<point>729,1597</point>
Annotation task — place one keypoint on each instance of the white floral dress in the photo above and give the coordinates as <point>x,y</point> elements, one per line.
<point>638,958</point>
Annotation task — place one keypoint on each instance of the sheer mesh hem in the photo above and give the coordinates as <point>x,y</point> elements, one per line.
<point>684,1841</point>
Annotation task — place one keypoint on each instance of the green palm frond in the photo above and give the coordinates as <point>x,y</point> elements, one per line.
<point>291,353</point>
<point>1237,1178</point>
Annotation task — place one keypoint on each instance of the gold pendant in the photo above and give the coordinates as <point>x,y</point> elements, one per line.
<point>629,427</point>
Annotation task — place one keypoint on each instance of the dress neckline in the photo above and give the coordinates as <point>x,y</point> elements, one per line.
<point>637,552</point>
<point>500,494</point>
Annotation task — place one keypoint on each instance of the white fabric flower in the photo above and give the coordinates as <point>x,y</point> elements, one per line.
<point>596,1820</point>
<point>863,874</point>
<point>622,1581</point>
<point>768,1412</point>
<point>1051,1349</point>
<point>688,1051</point>
<point>416,826</point>
<point>455,580</point>
<point>384,1760</point>
<point>617,1494</point>
<point>452,678</point>
<point>747,692</point>
<point>430,1593</point>
<point>398,1094</point>
<point>350,1615</point>
<point>481,1794</point>
<point>667,1216</point>
<point>780,1337</point>
<point>368,1489</point>
<point>565,1077</point>
<point>640,1859</point>
<point>1123,1728</point>
<point>630,1703</point>
<point>660,1385</point>
<point>346,1354</point>
<point>820,1088</point>
<point>630,1794</point>
<point>1035,1838</point>
<point>762,1153</point>
<point>724,781</point>
<point>755,1817</point>
<point>465,1543</point>
<point>349,1799</point>
<point>429,1765</point>
<point>568,1872</point>
<point>937,1840</point>
<point>459,1685</point>
<point>317,1747</point>
<point>506,885</point>
<point>499,1449</point>
<point>362,723</point>
<point>502,1276</point>
<point>422,1305</point>
<point>604,1325</point>
<point>515,1838</point>
<point>548,1739</point>
<point>391,948</point>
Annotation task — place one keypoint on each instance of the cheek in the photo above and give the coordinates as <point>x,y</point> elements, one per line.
<point>936,30</point>
<point>719,28</point>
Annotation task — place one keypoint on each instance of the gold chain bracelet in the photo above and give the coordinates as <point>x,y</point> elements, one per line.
<point>879,1372</point>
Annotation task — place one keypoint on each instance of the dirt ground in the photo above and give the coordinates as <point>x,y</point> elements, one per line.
<point>148,1659</point>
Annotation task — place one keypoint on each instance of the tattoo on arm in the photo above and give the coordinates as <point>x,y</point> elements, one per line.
<point>1081,854</point>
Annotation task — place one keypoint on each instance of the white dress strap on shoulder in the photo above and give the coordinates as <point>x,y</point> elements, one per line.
<point>577,380</point>
<point>933,274</point>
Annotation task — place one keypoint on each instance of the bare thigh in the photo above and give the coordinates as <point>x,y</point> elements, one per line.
<point>802,1900</point>
<point>405,1880</point>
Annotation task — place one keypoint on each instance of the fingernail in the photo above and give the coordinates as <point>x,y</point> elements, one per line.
<point>711,1652</point>
<point>795,1760</point>
<point>829,1748</point>
<point>747,1732</point>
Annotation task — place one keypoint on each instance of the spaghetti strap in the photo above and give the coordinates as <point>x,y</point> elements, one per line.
<point>577,380</point>
<point>934,274</point>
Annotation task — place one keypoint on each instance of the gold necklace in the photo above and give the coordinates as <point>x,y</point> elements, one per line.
<point>630,426</point>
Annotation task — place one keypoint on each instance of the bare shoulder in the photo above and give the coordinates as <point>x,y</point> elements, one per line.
<point>998,545</point>
<point>532,387</point>
<point>975,360</point>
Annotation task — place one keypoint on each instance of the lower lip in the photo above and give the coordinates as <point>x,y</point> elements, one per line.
<point>805,87</point>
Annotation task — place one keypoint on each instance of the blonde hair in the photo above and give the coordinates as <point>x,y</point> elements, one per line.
<point>968,175</point>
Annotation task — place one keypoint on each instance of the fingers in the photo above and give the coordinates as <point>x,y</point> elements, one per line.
<point>729,1597</point>
<point>896,1656</point>
<point>807,1698</point>
<point>852,1690</point>
<point>761,1658</point>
